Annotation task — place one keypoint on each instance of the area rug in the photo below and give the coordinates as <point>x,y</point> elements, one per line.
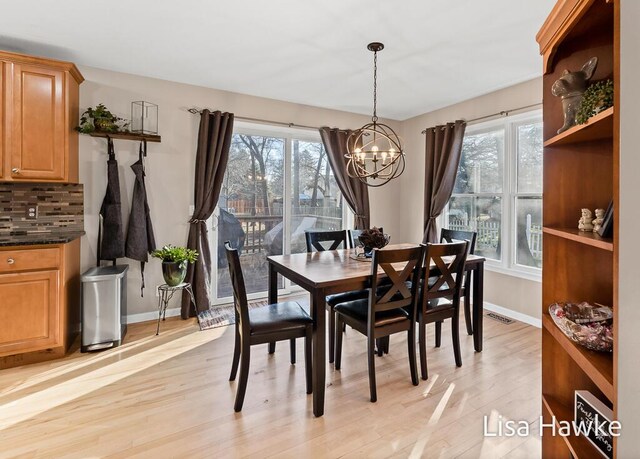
<point>220,316</point>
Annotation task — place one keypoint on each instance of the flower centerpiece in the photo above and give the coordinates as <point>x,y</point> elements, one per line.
<point>372,239</point>
<point>174,263</point>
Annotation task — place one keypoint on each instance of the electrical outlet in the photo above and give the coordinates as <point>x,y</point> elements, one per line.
<point>31,212</point>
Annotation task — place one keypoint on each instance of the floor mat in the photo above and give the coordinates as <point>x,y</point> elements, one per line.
<point>220,316</point>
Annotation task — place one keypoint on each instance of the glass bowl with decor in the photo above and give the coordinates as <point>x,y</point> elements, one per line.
<point>371,239</point>
<point>174,263</point>
<point>584,323</point>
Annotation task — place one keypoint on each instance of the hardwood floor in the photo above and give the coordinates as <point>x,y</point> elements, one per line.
<point>169,396</point>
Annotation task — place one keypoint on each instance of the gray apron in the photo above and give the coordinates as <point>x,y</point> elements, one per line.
<point>110,236</point>
<point>140,239</point>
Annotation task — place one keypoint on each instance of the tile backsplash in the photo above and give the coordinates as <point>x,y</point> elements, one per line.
<point>60,208</point>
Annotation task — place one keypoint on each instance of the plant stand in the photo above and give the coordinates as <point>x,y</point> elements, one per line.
<point>165,293</point>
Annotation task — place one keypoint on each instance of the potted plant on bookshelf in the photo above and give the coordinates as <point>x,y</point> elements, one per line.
<point>174,263</point>
<point>598,97</point>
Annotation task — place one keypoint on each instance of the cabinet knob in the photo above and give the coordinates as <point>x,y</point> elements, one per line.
<point>10,261</point>
<point>15,170</point>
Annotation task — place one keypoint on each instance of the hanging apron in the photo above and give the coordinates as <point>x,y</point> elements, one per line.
<point>140,239</point>
<point>110,236</point>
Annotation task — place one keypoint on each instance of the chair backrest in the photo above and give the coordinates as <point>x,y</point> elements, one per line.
<point>449,235</point>
<point>448,271</point>
<point>240,302</point>
<point>354,234</point>
<point>319,241</point>
<point>400,266</point>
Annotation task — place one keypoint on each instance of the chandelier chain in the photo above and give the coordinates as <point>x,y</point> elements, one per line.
<point>374,118</point>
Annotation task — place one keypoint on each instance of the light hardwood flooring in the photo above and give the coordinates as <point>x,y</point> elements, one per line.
<point>169,396</point>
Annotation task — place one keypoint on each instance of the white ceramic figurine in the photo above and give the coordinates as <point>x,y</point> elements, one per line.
<point>584,224</point>
<point>597,222</point>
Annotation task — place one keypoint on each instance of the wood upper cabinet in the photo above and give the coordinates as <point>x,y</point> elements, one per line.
<point>2,120</point>
<point>37,123</point>
<point>40,112</point>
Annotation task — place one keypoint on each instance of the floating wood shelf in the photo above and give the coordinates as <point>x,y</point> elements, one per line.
<point>598,127</point>
<point>579,445</point>
<point>597,365</point>
<point>127,136</point>
<point>583,237</point>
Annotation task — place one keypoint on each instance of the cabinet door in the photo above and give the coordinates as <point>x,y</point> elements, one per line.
<point>38,123</point>
<point>29,311</point>
<point>2,120</point>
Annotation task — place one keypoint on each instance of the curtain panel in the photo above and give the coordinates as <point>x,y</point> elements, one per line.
<point>443,153</point>
<point>355,193</point>
<point>212,156</point>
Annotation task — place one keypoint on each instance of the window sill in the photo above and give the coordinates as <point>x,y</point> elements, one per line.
<point>514,272</point>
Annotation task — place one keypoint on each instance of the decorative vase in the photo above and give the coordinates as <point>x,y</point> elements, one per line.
<point>174,272</point>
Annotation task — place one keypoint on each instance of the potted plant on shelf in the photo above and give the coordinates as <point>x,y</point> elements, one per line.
<point>174,263</point>
<point>100,119</point>
<point>372,239</point>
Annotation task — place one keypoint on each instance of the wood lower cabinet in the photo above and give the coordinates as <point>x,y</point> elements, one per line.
<point>39,301</point>
<point>39,106</point>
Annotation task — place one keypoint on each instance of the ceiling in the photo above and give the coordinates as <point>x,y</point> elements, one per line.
<point>437,52</point>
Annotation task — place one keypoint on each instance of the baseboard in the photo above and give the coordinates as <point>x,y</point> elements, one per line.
<point>152,315</point>
<point>513,314</point>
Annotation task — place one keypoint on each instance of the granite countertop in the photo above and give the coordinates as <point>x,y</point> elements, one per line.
<point>39,238</point>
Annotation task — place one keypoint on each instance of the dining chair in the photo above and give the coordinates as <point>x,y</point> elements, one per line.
<point>440,299</point>
<point>265,324</point>
<point>319,241</point>
<point>354,234</point>
<point>383,313</point>
<point>448,235</point>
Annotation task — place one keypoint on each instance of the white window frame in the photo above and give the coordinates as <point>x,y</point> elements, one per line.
<point>288,135</point>
<point>507,265</point>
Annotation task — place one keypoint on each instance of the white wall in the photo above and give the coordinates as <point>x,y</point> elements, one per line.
<point>521,295</point>
<point>628,222</point>
<point>170,164</point>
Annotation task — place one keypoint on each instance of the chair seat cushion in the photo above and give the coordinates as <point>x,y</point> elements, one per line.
<point>338,298</point>
<point>359,310</point>
<point>288,315</point>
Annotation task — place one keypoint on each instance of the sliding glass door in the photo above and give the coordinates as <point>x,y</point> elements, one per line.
<point>278,184</point>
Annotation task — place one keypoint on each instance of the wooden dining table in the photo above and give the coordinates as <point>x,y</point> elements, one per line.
<point>337,271</point>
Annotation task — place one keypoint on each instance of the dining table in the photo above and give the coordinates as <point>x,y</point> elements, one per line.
<point>336,271</point>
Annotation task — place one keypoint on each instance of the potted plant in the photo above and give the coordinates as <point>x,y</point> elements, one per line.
<point>598,97</point>
<point>373,239</point>
<point>174,263</point>
<point>102,120</point>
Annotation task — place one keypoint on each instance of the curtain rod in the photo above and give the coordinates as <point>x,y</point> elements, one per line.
<point>502,113</point>
<point>197,111</point>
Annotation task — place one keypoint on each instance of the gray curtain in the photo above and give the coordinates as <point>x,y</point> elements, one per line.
<point>443,152</point>
<point>212,155</point>
<point>354,191</point>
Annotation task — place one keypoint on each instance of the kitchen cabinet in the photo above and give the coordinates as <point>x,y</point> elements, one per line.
<point>40,107</point>
<point>39,301</point>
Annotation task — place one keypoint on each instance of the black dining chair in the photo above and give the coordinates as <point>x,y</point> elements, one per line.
<point>319,241</point>
<point>440,299</point>
<point>389,309</point>
<point>265,324</point>
<point>448,235</point>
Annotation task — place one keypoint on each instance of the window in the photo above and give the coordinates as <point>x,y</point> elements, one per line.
<point>277,185</point>
<point>498,192</point>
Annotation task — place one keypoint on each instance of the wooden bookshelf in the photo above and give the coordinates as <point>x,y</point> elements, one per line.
<point>598,127</point>
<point>578,445</point>
<point>579,172</point>
<point>582,237</point>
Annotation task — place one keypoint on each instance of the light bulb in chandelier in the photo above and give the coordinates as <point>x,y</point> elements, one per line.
<point>374,152</point>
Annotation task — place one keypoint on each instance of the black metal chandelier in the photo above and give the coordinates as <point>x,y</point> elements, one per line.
<point>374,152</point>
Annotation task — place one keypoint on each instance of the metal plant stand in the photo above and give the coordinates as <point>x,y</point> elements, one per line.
<point>165,293</point>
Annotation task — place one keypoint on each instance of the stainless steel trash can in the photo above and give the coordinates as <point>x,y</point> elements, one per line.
<point>104,307</point>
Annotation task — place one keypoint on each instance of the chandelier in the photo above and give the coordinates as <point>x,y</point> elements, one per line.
<point>374,152</point>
